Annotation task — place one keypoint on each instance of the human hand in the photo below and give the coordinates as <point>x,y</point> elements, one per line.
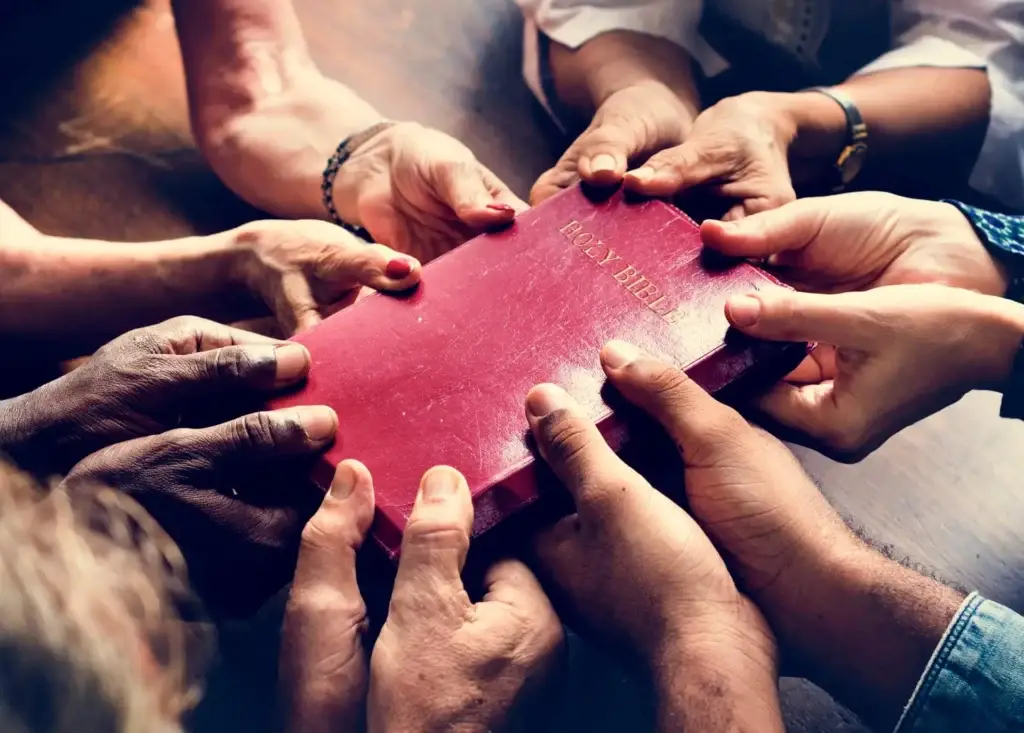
<point>442,662</point>
<point>323,663</point>
<point>737,149</point>
<point>414,189</point>
<point>631,124</point>
<point>848,618</point>
<point>857,241</point>
<point>304,269</point>
<point>145,382</point>
<point>231,496</point>
<point>886,358</point>
<point>635,568</point>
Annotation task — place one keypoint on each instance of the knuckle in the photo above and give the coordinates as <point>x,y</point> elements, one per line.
<point>259,430</point>
<point>567,436</point>
<point>436,533</point>
<point>668,383</point>
<point>347,608</point>
<point>232,364</point>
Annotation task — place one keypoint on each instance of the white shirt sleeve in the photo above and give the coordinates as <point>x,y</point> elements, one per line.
<point>574,22</point>
<point>981,34</point>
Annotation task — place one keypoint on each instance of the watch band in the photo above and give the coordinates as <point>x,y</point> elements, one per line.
<point>1003,237</point>
<point>343,152</point>
<point>847,166</point>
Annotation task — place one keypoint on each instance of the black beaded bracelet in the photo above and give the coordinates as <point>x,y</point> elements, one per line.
<point>341,154</point>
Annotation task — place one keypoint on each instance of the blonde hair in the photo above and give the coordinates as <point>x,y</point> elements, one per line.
<point>90,638</point>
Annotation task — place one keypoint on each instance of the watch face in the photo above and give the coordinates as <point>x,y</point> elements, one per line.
<point>852,160</point>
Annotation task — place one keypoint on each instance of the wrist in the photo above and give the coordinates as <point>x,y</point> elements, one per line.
<point>729,676</point>
<point>733,640</point>
<point>367,166</point>
<point>587,76</point>
<point>32,433</point>
<point>996,328</point>
<point>867,631</point>
<point>817,128</point>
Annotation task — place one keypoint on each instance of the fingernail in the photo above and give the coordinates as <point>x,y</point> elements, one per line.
<point>398,268</point>
<point>744,310</point>
<point>439,484</point>
<point>503,208</point>
<point>617,354</point>
<point>642,174</point>
<point>292,363</point>
<point>545,399</point>
<point>318,422</point>
<point>344,481</point>
<point>602,162</point>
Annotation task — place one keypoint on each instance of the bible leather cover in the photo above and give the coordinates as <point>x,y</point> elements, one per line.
<point>440,375</point>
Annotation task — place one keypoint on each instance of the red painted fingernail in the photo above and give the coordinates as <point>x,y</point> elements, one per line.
<point>398,269</point>
<point>504,208</point>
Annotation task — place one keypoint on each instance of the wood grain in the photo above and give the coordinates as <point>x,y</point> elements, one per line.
<point>94,142</point>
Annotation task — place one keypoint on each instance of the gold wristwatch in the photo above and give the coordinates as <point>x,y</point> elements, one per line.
<point>851,159</point>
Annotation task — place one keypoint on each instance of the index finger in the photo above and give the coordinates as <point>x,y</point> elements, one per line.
<point>191,334</point>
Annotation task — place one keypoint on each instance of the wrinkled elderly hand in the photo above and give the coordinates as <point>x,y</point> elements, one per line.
<point>443,662</point>
<point>143,383</point>
<point>304,270</point>
<point>737,150</point>
<point>414,189</point>
<point>234,496</point>
<point>630,125</point>
<point>886,358</point>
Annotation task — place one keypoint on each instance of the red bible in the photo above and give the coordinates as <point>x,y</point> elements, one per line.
<point>440,375</point>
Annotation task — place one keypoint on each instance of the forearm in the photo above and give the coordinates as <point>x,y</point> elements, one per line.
<point>714,690</point>
<point>912,114</point>
<point>238,52</point>
<point>73,295</point>
<point>586,77</point>
<point>866,632</point>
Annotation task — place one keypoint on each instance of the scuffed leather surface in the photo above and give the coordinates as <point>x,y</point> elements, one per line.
<point>440,375</point>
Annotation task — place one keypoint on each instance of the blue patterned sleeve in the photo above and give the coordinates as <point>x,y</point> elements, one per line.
<point>975,680</point>
<point>1003,236</point>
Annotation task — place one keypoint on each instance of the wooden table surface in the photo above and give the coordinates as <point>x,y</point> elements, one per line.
<point>94,142</point>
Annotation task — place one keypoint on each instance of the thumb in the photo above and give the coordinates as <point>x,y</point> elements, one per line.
<point>793,226</point>
<point>323,665</point>
<point>674,170</point>
<point>434,546</point>
<point>605,149</point>
<point>842,320</point>
<point>699,424</point>
<point>335,532</point>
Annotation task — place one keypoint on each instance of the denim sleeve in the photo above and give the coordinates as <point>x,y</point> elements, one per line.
<point>975,680</point>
